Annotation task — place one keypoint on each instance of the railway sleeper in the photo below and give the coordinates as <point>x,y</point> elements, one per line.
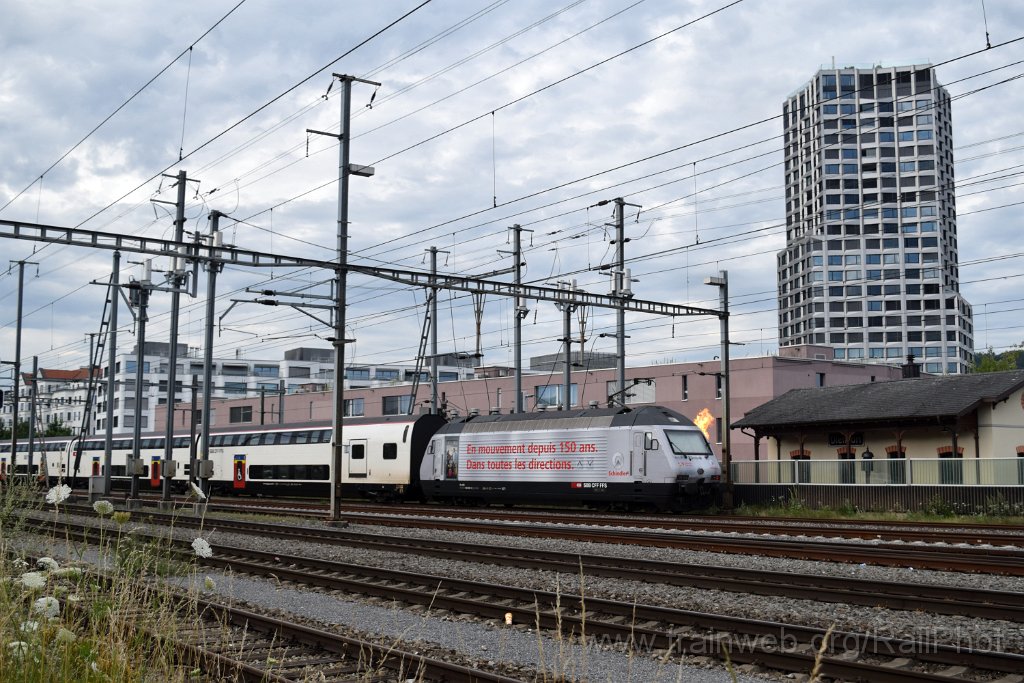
<point>954,671</point>
<point>242,647</point>
<point>898,663</point>
<point>298,665</point>
<point>261,654</point>
<point>342,670</point>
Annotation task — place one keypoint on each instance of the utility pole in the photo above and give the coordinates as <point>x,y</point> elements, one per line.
<point>17,363</point>
<point>340,280</point>
<point>32,415</point>
<point>139,298</point>
<point>340,276</point>
<point>263,404</point>
<point>280,402</point>
<point>521,312</point>
<point>212,268</point>
<point>621,289</point>
<point>722,282</point>
<point>620,313</point>
<point>175,279</point>
<point>567,309</point>
<point>433,331</point>
<point>192,464</point>
<point>108,444</point>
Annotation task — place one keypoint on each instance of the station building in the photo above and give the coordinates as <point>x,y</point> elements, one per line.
<point>958,438</point>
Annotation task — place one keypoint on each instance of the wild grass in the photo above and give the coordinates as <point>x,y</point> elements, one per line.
<point>931,513</point>
<point>92,615</point>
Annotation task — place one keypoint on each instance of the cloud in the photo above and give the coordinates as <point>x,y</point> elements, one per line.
<point>66,69</point>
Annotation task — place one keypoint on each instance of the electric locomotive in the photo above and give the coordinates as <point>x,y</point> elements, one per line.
<point>631,457</point>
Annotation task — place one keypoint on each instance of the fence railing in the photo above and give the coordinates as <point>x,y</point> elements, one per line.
<point>883,472</point>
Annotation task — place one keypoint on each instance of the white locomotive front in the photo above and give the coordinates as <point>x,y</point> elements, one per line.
<point>644,457</point>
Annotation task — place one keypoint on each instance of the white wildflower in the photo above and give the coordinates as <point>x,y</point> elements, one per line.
<point>65,636</point>
<point>29,626</point>
<point>103,507</point>
<point>47,607</point>
<point>20,563</point>
<point>47,563</point>
<point>209,584</point>
<point>202,548</point>
<point>32,580</point>
<point>74,598</point>
<point>198,491</point>
<point>18,647</point>
<point>58,494</point>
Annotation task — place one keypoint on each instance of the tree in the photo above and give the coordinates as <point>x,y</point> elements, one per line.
<point>57,428</point>
<point>5,432</point>
<point>990,361</point>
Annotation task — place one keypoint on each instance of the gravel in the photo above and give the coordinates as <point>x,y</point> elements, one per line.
<point>490,641</point>
<point>486,641</point>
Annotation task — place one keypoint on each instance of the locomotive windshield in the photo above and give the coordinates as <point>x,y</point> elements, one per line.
<point>687,442</point>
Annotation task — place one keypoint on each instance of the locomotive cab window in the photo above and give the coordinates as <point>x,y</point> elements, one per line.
<point>650,443</point>
<point>688,443</point>
<point>391,451</point>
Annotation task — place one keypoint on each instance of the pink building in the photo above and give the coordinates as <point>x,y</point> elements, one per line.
<point>693,389</point>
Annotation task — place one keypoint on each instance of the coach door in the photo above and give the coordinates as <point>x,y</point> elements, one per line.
<point>357,458</point>
<point>238,471</point>
<point>154,471</point>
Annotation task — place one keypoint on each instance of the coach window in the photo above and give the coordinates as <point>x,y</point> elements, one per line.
<point>358,451</point>
<point>391,451</point>
<point>301,437</point>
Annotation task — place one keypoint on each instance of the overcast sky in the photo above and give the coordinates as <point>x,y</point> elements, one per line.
<point>583,111</point>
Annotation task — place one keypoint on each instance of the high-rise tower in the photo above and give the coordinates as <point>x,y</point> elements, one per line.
<point>870,265</point>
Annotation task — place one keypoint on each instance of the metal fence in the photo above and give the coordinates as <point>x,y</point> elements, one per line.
<point>883,472</point>
<point>939,485</point>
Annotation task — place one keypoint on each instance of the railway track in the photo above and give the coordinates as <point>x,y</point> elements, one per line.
<point>787,647</point>
<point>976,559</point>
<point>228,642</point>
<point>976,603</point>
<point>285,651</point>
<point>874,530</point>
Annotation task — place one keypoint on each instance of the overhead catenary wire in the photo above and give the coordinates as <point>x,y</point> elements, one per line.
<point>1008,205</point>
<point>125,103</point>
